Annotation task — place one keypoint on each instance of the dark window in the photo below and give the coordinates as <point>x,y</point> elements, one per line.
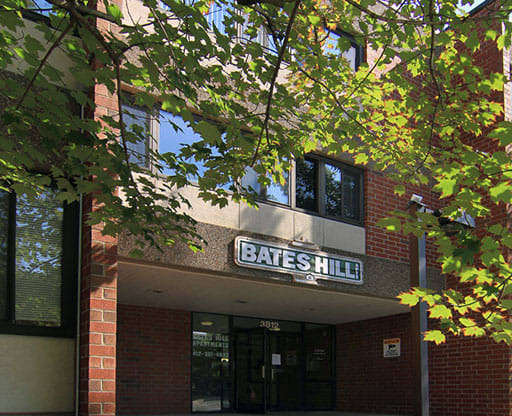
<point>4,240</point>
<point>305,184</point>
<point>329,188</point>
<point>38,264</point>
<point>319,375</point>
<point>352,51</point>
<point>137,122</point>
<point>210,363</point>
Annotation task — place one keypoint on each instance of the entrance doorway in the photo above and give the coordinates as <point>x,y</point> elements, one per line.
<point>268,371</point>
<point>253,365</point>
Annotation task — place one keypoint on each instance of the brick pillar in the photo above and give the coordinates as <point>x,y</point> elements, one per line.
<point>98,306</point>
<point>98,300</point>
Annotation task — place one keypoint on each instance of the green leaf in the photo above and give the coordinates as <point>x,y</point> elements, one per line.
<point>474,331</point>
<point>114,11</point>
<point>399,190</point>
<point>502,192</point>
<point>314,20</point>
<point>410,299</point>
<point>440,311</point>
<point>467,322</point>
<point>390,224</point>
<point>506,304</point>
<point>436,336</point>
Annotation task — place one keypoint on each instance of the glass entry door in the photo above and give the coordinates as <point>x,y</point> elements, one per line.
<point>285,378</point>
<point>250,371</point>
<point>268,371</point>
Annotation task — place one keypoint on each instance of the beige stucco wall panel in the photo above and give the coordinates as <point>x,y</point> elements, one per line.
<point>268,219</point>
<point>308,228</point>
<point>201,211</point>
<point>37,374</point>
<point>344,236</point>
<point>58,58</point>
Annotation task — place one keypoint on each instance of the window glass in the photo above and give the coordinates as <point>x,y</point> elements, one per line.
<point>40,6</point>
<point>336,192</point>
<point>4,235</point>
<point>174,133</point>
<point>277,192</point>
<point>305,188</point>
<point>164,6</point>
<point>211,385</point>
<point>38,271</point>
<point>351,196</point>
<point>137,121</point>
<point>319,386</point>
<point>333,180</point>
<point>215,16</point>
<point>274,192</point>
<point>331,47</point>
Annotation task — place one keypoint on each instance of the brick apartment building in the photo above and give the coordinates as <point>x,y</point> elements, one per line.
<point>288,308</point>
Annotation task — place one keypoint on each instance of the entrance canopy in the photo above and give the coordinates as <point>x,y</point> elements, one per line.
<point>149,285</point>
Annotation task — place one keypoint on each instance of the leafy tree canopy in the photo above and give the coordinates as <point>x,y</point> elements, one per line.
<point>421,108</point>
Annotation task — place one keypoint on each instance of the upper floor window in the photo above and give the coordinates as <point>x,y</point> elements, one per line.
<point>354,54</point>
<point>162,131</point>
<point>173,134</point>
<point>138,121</point>
<point>329,188</point>
<point>273,192</point>
<point>38,264</point>
<point>318,185</point>
<point>41,7</point>
<point>219,11</point>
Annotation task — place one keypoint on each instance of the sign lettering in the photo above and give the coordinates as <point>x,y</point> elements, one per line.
<point>306,265</point>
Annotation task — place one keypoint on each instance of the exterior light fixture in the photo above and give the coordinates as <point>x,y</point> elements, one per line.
<point>418,277</point>
<point>206,323</point>
<point>415,198</point>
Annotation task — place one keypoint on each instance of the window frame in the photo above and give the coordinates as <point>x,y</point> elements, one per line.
<point>359,49</point>
<point>69,276</point>
<point>151,121</point>
<point>263,191</point>
<point>320,162</point>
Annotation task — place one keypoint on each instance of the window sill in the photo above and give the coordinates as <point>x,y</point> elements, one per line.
<point>38,331</point>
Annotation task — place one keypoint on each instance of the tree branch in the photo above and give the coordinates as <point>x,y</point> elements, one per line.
<point>277,67</point>
<point>45,58</point>
<point>82,9</point>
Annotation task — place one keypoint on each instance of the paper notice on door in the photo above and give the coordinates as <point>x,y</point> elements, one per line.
<point>276,359</point>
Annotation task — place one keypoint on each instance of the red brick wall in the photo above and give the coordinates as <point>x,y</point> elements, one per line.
<point>153,360</point>
<point>469,377</point>
<point>98,299</point>
<point>365,380</point>
<point>380,200</point>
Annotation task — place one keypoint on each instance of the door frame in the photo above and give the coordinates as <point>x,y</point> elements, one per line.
<point>267,370</point>
<point>300,364</point>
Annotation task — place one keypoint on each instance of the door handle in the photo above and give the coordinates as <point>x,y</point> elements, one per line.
<point>263,372</point>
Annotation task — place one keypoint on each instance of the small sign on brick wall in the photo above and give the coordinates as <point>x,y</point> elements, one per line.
<point>391,347</point>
